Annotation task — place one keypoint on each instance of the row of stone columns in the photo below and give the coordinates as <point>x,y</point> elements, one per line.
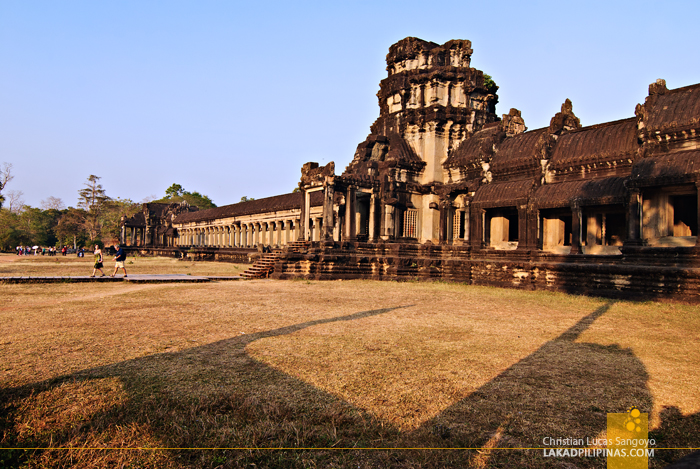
<point>273,233</point>
<point>133,236</point>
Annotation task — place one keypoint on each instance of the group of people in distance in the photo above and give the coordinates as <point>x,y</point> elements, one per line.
<point>119,259</point>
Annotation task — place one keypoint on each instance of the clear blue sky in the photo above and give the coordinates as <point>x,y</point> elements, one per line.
<point>231,98</point>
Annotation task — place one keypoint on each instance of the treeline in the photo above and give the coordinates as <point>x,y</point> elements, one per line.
<point>95,220</point>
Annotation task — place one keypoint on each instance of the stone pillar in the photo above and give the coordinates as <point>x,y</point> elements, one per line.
<point>523,240</point>
<point>304,218</point>
<point>336,225</point>
<point>576,227</point>
<point>317,229</point>
<point>634,216</point>
<point>389,231</point>
<point>374,218</point>
<point>444,219</point>
<point>697,220</point>
<point>350,221</point>
<point>328,194</point>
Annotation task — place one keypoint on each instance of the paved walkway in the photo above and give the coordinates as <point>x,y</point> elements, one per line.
<point>142,278</point>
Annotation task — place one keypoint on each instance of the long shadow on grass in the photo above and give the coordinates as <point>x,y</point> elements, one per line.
<point>211,396</point>
<point>562,390</point>
<point>218,396</point>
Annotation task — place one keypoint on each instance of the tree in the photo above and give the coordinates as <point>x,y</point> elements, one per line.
<point>14,201</point>
<point>174,190</point>
<point>10,234</point>
<point>93,196</point>
<point>177,193</point>
<point>92,200</point>
<point>71,227</point>
<point>53,203</point>
<point>246,199</point>
<point>488,81</point>
<point>5,177</point>
<point>111,217</point>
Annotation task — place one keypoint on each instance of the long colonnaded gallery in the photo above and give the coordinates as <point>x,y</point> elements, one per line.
<point>443,188</point>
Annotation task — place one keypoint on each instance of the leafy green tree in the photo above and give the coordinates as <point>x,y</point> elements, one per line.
<point>38,226</point>
<point>92,199</point>
<point>174,190</point>
<point>111,216</point>
<point>488,81</point>
<point>10,234</point>
<point>246,199</point>
<point>177,193</point>
<point>71,227</point>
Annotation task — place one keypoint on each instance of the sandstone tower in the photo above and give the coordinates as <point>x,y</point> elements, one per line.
<point>432,98</point>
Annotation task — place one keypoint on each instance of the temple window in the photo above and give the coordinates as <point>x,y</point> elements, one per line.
<point>670,216</point>
<point>604,230</point>
<point>502,228</point>
<point>557,230</point>
<point>410,223</point>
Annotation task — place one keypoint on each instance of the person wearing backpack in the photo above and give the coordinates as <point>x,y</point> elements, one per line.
<point>119,259</point>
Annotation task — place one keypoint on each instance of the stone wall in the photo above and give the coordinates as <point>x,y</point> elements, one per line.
<point>638,273</point>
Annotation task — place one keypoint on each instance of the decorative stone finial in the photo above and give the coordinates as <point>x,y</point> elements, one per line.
<point>565,120</point>
<point>512,123</point>
<point>658,88</point>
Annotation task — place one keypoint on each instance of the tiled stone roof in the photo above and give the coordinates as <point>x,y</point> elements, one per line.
<point>588,192</point>
<point>671,168</point>
<point>251,207</point>
<point>674,110</point>
<point>503,193</point>
<point>597,144</point>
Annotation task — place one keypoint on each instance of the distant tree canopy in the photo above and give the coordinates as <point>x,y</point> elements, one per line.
<point>246,199</point>
<point>177,193</point>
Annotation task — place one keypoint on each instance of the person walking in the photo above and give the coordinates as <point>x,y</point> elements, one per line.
<point>98,262</point>
<point>119,259</point>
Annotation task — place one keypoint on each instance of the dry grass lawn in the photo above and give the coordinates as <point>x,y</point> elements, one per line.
<point>327,366</point>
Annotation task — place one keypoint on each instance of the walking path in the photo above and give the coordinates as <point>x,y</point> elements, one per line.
<point>143,278</point>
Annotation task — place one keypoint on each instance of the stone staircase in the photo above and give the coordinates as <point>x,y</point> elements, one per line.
<point>263,267</point>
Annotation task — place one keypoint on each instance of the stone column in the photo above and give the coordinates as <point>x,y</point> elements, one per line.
<point>444,220</point>
<point>336,225</point>
<point>317,229</point>
<point>523,241</point>
<point>576,225</point>
<point>389,231</point>
<point>697,220</point>
<point>304,218</point>
<point>328,193</point>
<point>634,216</point>
<point>373,218</point>
<point>350,221</point>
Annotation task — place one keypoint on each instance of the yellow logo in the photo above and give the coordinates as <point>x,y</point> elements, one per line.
<point>628,440</point>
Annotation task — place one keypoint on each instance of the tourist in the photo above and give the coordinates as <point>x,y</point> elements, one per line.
<point>98,262</point>
<point>119,260</point>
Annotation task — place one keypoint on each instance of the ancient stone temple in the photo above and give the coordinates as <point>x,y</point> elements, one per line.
<point>444,188</point>
<point>152,226</point>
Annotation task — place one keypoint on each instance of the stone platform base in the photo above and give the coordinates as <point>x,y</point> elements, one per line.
<point>637,273</point>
